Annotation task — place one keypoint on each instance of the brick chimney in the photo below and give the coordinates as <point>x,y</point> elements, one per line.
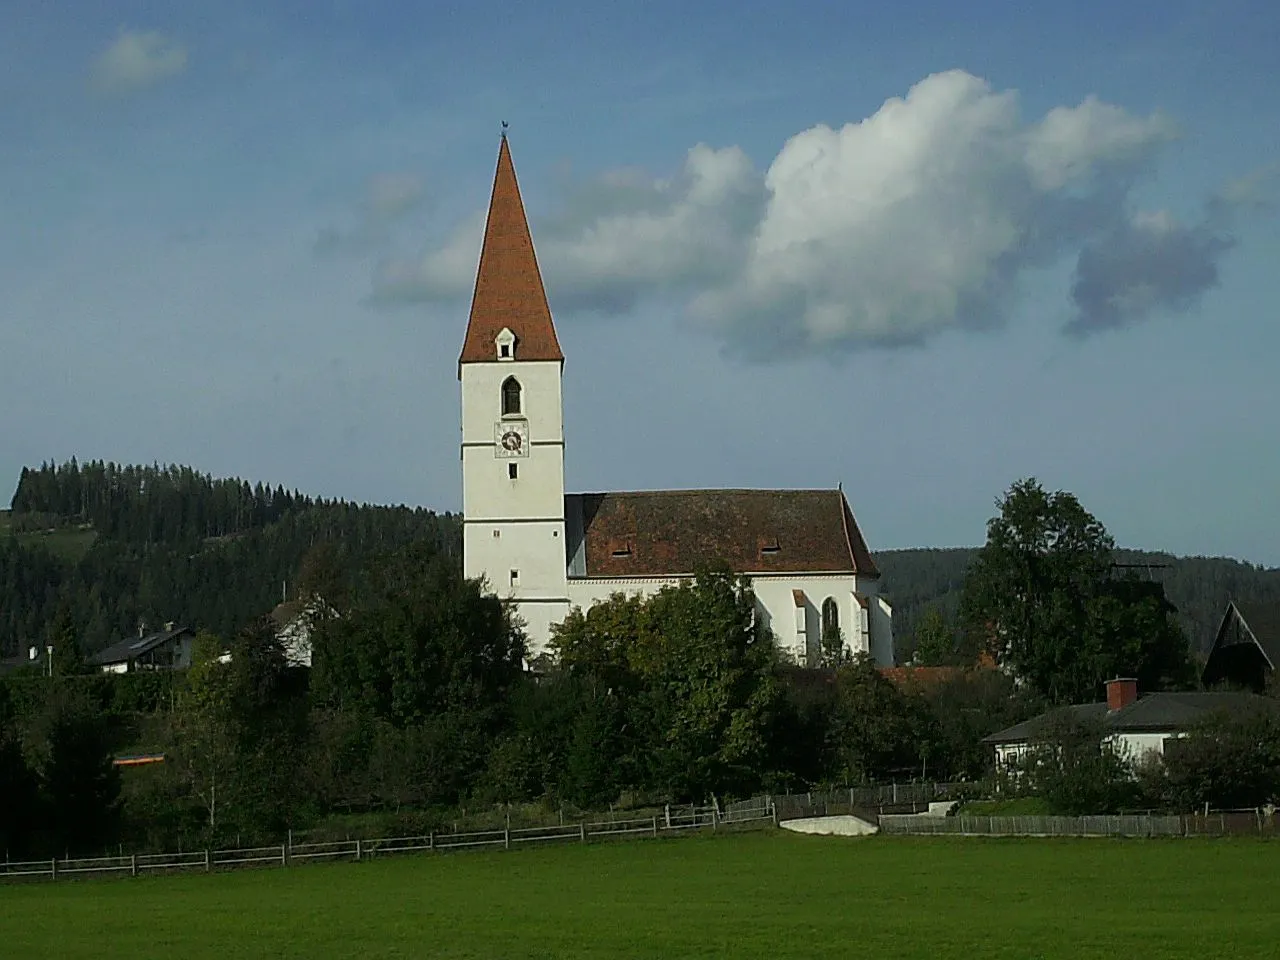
<point>1121,692</point>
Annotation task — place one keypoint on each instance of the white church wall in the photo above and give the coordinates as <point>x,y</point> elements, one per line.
<point>513,531</point>
<point>775,594</point>
<point>482,398</point>
<point>497,549</point>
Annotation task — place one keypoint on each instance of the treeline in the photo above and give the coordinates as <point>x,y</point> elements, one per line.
<point>152,563</point>
<point>417,705</point>
<point>919,581</point>
<point>173,504</point>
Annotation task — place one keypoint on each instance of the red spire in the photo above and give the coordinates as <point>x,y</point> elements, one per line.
<point>509,291</point>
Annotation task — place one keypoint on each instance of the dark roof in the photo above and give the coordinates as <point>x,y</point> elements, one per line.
<point>665,533</point>
<point>1263,621</point>
<point>135,647</point>
<point>509,291</point>
<point>285,613</point>
<point>1154,713</point>
<point>1024,731</point>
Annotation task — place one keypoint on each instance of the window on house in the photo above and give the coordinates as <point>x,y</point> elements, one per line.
<point>830,617</point>
<point>511,397</point>
<point>511,470</point>
<point>504,350</point>
<point>515,577</point>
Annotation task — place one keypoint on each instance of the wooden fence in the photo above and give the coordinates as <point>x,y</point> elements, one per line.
<point>672,820</point>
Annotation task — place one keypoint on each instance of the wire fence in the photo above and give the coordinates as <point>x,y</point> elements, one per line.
<point>673,819</point>
<point>865,801</point>
<point>1227,823</point>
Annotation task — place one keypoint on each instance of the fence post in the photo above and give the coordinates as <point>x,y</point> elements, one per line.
<point>53,868</point>
<point>655,824</point>
<point>358,850</point>
<point>133,865</point>
<point>506,839</point>
<point>582,831</point>
<point>431,840</point>
<point>666,812</point>
<point>284,855</point>
<point>207,860</point>
<point>715,816</point>
<point>773,808</point>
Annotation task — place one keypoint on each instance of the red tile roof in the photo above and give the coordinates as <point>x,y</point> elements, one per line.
<point>509,291</point>
<point>674,532</point>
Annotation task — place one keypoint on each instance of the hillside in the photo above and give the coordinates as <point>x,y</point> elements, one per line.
<point>102,548</point>
<point>109,546</point>
<point>1198,586</point>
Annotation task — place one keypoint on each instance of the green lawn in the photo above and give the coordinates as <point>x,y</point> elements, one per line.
<point>766,895</point>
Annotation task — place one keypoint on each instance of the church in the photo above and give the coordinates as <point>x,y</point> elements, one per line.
<point>547,552</point>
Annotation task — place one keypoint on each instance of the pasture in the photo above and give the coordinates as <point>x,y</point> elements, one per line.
<point>767,895</point>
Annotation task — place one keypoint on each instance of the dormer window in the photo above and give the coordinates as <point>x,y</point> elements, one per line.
<point>511,397</point>
<point>506,344</point>
<point>620,548</point>
<point>769,546</point>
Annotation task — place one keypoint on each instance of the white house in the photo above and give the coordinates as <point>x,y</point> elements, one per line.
<point>548,552</point>
<point>1131,725</point>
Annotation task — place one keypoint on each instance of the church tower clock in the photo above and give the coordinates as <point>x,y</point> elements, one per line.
<point>512,423</point>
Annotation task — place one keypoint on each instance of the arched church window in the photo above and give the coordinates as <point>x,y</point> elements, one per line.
<point>830,618</point>
<point>510,397</point>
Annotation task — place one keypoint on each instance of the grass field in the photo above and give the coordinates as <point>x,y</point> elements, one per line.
<point>765,895</point>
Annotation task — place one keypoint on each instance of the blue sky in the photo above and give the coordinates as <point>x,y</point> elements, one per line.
<point>919,249</point>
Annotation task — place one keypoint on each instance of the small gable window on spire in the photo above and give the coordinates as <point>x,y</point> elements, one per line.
<point>505,341</point>
<point>511,397</point>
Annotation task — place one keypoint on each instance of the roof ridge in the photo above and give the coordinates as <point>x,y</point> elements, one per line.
<point>689,491</point>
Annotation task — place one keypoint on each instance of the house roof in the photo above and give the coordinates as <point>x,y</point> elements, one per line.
<point>1263,621</point>
<point>285,613</point>
<point>1154,713</point>
<point>134,647</point>
<point>666,533</point>
<point>509,291</point>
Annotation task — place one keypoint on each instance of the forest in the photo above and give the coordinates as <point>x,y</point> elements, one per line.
<point>109,546</point>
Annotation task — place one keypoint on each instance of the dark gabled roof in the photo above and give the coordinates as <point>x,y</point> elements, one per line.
<point>1154,713</point>
<point>135,647</point>
<point>667,533</point>
<point>1027,729</point>
<point>1263,621</point>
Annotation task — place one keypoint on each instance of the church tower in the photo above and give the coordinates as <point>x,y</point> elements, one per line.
<point>512,422</point>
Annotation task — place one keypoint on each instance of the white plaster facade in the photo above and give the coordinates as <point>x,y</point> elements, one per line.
<point>796,626</point>
<point>513,500</point>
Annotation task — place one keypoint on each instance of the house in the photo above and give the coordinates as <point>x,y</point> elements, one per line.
<point>1246,648</point>
<point>1134,726</point>
<point>167,649</point>
<point>294,621</point>
<point>546,552</point>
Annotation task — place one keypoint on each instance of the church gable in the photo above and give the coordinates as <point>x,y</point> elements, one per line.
<point>674,533</point>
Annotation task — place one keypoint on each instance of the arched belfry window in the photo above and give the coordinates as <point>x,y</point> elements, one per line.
<point>511,397</point>
<point>830,618</point>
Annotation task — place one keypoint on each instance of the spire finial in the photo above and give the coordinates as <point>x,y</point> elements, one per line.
<point>504,129</point>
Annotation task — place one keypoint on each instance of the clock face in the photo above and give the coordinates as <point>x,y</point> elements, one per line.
<point>511,439</point>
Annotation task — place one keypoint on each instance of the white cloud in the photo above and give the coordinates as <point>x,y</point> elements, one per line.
<point>388,197</point>
<point>137,59</point>
<point>915,220</point>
